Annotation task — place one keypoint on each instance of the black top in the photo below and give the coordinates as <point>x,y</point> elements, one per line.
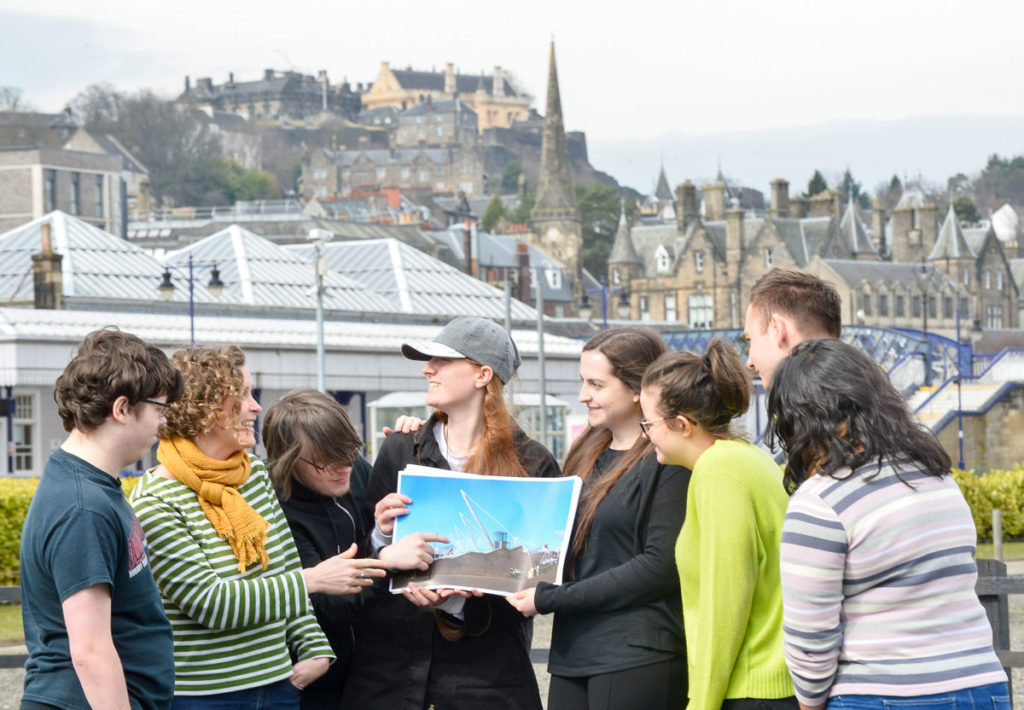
<point>402,661</point>
<point>623,611</point>
<point>324,527</point>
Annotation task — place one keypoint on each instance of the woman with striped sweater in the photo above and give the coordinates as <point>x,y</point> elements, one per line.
<point>877,550</point>
<point>222,555</point>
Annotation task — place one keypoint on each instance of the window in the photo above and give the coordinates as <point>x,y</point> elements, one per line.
<point>967,277</point>
<point>439,171</point>
<point>320,173</point>
<point>999,280</point>
<point>947,306</point>
<point>963,307</point>
<point>988,279</point>
<point>932,310</point>
<point>994,317</point>
<point>405,172</point>
<point>440,131</point>
<point>99,195</point>
<point>51,190</point>
<point>866,303</point>
<point>670,307</point>
<point>423,175</point>
<point>900,306</point>
<point>76,194</point>
<point>698,261</point>
<point>883,304</point>
<point>664,262</point>
<point>24,433</point>
<point>645,308</point>
<point>554,277</point>
<point>769,258</point>
<point>915,306</point>
<point>701,310</point>
<point>616,277</point>
<point>382,173</point>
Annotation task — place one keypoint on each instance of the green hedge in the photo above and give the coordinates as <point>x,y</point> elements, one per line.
<point>15,495</point>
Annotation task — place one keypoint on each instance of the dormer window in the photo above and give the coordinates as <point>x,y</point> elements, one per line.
<point>698,261</point>
<point>769,258</point>
<point>664,262</point>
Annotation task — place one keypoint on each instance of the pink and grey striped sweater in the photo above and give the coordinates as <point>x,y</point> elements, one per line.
<point>878,587</point>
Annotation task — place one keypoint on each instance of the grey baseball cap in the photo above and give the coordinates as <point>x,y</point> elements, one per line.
<point>478,339</point>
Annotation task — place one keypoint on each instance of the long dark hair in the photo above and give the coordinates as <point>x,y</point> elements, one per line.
<point>630,351</point>
<point>710,389</point>
<point>830,406</point>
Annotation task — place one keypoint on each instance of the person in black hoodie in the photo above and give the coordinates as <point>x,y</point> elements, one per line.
<point>617,640</point>
<point>320,479</point>
<point>448,649</point>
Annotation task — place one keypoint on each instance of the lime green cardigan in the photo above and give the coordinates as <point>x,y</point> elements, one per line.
<point>728,559</point>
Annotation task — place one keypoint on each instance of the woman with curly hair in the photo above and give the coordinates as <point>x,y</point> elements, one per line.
<point>473,651</point>
<point>728,550</point>
<point>878,546</point>
<point>221,552</point>
<point>617,640</point>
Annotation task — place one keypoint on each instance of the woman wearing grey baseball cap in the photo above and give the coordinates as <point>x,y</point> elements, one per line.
<point>474,650</point>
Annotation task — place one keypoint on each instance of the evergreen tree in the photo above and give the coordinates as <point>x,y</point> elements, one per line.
<point>816,184</point>
<point>494,212</point>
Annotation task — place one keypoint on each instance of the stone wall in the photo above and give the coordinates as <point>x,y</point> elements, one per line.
<point>992,440</point>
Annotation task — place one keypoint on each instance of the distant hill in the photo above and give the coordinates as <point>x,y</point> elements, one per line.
<point>936,147</point>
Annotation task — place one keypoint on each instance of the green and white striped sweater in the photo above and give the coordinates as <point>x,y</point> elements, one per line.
<point>231,631</point>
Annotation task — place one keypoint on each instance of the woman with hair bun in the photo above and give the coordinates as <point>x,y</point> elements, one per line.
<point>728,550</point>
<point>617,640</point>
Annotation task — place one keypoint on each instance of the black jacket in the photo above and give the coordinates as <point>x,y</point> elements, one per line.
<point>624,610</point>
<point>402,661</point>
<point>323,527</point>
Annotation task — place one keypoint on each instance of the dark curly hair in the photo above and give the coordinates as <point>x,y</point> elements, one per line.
<point>830,406</point>
<point>109,364</point>
<point>211,376</point>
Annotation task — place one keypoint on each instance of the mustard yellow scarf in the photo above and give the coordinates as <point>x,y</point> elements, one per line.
<point>216,483</point>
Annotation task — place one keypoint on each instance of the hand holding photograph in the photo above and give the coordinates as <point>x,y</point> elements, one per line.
<point>506,533</point>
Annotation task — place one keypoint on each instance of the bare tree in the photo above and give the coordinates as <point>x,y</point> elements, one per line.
<point>11,99</point>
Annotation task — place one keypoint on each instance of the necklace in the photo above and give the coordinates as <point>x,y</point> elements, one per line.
<point>455,461</point>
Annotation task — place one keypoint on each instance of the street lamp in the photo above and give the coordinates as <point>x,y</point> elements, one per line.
<point>319,237</point>
<point>972,336</point>
<point>925,276</point>
<point>538,281</point>
<point>215,287</point>
<point>622,309</point>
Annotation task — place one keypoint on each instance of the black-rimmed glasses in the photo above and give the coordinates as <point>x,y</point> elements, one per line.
<point>326,468</point>
<point>164,407</point>
<point>645,424</point>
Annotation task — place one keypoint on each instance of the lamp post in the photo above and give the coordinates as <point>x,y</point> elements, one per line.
<point>319,237</point>
<point>622,309</point>
<point>215,287</point>
<point>975,331</point>
<point>925,276</point>
<point>540,358</point>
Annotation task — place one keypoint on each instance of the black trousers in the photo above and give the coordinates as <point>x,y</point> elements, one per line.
<point>789,703</point>
<point>659,685</point>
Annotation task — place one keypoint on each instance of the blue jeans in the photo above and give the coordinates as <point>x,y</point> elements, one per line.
<point>984,697</point>
<point>281,695</point>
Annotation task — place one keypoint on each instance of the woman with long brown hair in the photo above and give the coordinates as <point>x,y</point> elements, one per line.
<point>472,651</point>
<point>617,640</point>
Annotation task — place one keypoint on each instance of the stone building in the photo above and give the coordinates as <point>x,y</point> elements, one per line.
<point>277,96</point>
<point>436,123</point>
<point>37,181</point>
<point>496,99</point>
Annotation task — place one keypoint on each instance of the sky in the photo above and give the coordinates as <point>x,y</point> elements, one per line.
<point>688,85</point>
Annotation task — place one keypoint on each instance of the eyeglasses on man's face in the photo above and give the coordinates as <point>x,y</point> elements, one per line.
<point>333,466</point>
<point>164,407</point>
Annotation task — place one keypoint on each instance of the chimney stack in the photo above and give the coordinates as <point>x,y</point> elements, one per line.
<point>47,277</point>
<point>523,266</point>
<point>449,79</point>
<point>686,205</point>
<point>780,198</point>
<point>714,202</point>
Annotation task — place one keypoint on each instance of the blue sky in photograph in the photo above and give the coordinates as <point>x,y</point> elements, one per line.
<point>533,511</point>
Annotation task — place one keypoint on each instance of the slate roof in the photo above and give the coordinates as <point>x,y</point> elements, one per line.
<point>663,191</point>
<point>413,282</point>
<point>975,238</point>
<point>647,239</point>
<point>399,156</point>
<point>1017,271</point>
<point>623,251</point>
<point>113,147</point>
<point>257,272</point>
<point>96,264</point>
<point>951,242</point>
<point>477,205</point>
<point>446,106</point>
<point>888,273</point>
<point>853,234</point>
<point>804,237</point>
<point>410,79</point>
<point>912,197</point>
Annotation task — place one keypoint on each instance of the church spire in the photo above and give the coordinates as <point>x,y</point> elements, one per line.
<point>555,191</point>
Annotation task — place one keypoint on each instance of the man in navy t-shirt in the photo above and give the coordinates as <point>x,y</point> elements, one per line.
<point>96,632</point>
